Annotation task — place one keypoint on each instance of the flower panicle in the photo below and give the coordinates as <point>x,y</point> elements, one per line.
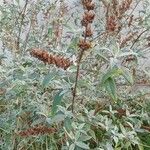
<point>39,130</point>
<point>125,6</point>
<point>128,38</point>
<point>47,58</point>
<point>115,12</point>
<point>87,20</point>
<point>112,23</point>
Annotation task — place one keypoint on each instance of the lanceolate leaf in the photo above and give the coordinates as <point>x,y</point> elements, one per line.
<point>49,77</point>
<point>50,31</point>
<point>128,54</point>
<point>111,73</point>
<point>111,88</point>
<point>82,145</point>
<point>67,123</point>
<point>58,118</point>
<point>127,75</point>
<point>57,100</point>
<point>72,146</point>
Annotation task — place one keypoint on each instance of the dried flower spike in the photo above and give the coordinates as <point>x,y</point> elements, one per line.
<point>51,59</point>
<point>128,38</point>
<point>124,6</point>
<point>112,24</point>
<point>89,6</point>
<point>39,130</point>
<point>85,2</point>
<point>88,17</point>
<point>84,45</point>
<point>88,31</point>
<point>86,21</point>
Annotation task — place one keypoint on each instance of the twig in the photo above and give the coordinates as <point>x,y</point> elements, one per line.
<point>76,81</point>
<point>138,38</point>
<point>134,8</point>
<point>27,36</point>
<point>21,24</point>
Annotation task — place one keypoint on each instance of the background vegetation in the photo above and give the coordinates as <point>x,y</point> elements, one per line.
<point>72,80</point>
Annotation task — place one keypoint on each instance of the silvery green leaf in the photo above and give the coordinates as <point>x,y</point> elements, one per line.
<point>123,129</point>
<point>113,62</point>
<point>77,135</point>
<point>92,133</point>
<point>116,139</point>
<point>127,75</point>
<point>111,72</point>
<point>58,118</point>
<point>67,124</point>
<point>57,101</point>
<point>81,126</point>
<point>82,145</point>
<point>84,138</point>
<point>72,146</point>
<point>128,54</point>
<point>49,120</point>
<point>109,146</point>
<point>48,78</point>
<point>111,88</point>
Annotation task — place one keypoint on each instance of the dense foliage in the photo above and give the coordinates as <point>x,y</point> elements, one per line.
<point>74,75</point>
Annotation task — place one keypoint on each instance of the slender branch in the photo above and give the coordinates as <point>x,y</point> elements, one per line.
<point>21,24</point>
<point>134,7</point>
<point>138,38</point>
<point>27,36</point>
<point>76,81</point>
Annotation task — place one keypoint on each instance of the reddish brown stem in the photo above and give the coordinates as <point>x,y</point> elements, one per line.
<point>76,81</point>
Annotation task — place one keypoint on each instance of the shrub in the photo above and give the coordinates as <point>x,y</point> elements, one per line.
<point>73,76</point>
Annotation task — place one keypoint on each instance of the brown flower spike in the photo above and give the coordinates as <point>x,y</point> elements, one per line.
<point>124,6</point>
<point>86,22</point>
<point>111,24</point>
<point>88,17</point>
<point>88,31</point>
<point>84,45</point>
<point>39,130</point>
<point>87,4</point>
<point>115,12</point>
<point>47,58</point>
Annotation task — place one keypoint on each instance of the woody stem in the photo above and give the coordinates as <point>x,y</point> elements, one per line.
<point>76,81</point>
